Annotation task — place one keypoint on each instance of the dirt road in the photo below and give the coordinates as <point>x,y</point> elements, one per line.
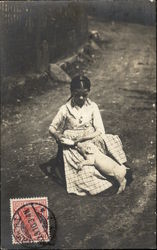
<point>123,85</point>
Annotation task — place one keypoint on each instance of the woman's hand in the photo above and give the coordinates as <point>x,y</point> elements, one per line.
<point>76,141</point>
<point>58,137</point>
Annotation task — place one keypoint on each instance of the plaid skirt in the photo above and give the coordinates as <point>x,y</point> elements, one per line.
<point>115,148</point>
<point>88,180</point>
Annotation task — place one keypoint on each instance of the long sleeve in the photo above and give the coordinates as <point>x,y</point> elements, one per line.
<point>59,118</point>
<point>97,120</point>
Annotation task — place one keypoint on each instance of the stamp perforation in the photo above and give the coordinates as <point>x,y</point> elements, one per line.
<point>21,203</point>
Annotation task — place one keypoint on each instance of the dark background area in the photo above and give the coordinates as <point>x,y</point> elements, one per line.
<point>34,33</point>
<point>34,30</point>
<point>133,11</point>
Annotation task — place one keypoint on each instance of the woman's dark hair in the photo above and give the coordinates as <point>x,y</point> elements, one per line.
<point>80,82</point>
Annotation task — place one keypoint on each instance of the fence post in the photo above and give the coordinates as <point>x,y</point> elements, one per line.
<point>38,39</point>
<point>44,56</point>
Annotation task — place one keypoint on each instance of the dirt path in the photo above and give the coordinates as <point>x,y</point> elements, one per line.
<point>123,85</point>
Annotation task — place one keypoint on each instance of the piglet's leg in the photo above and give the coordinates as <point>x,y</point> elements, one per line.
<point>122,186</point>
<point>88,162</point>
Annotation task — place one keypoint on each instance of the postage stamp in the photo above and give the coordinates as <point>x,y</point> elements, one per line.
<point>30,220</point>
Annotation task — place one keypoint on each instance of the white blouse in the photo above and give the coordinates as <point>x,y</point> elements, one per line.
<point>73,117</point>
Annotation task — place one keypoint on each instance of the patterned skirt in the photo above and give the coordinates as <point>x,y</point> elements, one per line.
<point>88,180</point>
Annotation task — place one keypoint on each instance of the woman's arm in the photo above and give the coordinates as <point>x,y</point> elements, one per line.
<point>97,119</point>
<point>56,134</point>
<point>57,121</point>
<point>88,137</point>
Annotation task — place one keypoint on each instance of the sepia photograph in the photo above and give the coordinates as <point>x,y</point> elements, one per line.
<point>78,124</point>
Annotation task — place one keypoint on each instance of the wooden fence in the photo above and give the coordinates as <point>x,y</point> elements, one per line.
<point>38,31</point>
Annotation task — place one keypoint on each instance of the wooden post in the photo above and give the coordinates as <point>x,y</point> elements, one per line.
<point>44,56</point>
<point>37,43</point>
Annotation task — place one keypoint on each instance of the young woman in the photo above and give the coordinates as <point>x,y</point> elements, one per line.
<point>81,122</point>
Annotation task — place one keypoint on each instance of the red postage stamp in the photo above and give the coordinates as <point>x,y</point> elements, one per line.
<point>30,220</point>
